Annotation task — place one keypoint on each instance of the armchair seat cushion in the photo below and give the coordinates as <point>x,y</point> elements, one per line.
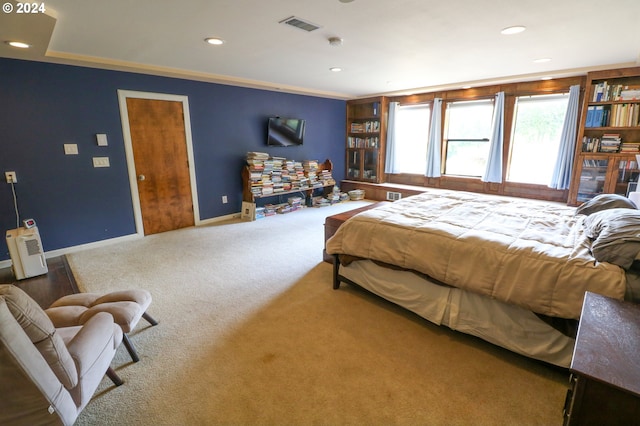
<point>126,307</point>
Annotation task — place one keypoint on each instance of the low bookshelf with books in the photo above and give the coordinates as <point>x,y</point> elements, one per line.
<point>265,176</point>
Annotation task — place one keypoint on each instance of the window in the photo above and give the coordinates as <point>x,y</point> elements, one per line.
<point>468,128</point>
<point>535,140</point>
<point>411,137</point>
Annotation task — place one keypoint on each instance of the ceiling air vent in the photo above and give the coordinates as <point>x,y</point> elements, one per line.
<point>299,23</point>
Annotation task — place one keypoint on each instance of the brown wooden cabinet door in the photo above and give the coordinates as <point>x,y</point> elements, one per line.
<point>160,153</point>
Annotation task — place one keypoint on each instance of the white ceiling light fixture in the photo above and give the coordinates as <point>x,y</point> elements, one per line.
<point>18,44</point>
<point>335,69</point>
<point>216,41</point>
<point>516,29</point>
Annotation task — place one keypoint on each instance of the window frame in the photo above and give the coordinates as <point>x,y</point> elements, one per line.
<point>512,133</point>
<point>445,130</point>
<point>429,106</point>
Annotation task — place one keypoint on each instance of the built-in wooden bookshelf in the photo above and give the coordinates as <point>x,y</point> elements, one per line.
<point>366,128</point>
<point>608,135</point>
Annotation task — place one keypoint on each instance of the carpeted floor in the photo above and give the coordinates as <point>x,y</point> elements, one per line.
<point>251,332</point>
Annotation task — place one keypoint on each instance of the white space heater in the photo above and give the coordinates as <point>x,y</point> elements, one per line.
<point>25,249</point>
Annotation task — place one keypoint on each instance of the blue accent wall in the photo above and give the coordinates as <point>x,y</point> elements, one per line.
<point>43,106</point>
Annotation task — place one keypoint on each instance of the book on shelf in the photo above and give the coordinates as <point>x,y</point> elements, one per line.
<point>630,147</point>
<point>630,94</point>
<point>589,163</point>
<point>257,155</point>
<point>365,127</point>
<point>625,115</point>
<point>628,172</point>
<point>590,144</point>
<point>604,92</point>
<point>597,116</point>
<point>357,142</point>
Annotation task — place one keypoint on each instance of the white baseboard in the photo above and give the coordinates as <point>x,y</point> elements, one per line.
<point>73,249</point>
<point>218,219</point>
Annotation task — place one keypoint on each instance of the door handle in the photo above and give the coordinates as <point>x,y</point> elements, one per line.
<point>141,177</point>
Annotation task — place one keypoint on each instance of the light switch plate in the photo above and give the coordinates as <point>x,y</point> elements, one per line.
<point>102,139</point>
<point>71,149</point>
<point>101,162</point>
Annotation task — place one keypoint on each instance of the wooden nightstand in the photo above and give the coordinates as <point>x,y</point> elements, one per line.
<point>605,370</point>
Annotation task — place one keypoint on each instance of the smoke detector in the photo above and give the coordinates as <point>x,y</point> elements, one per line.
<point>335,41</point>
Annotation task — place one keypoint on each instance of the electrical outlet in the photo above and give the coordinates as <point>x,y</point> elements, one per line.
<point>224,199</point>
<point>11,177</point>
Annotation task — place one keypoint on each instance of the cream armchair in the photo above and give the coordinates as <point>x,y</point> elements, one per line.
<point>48,374</point>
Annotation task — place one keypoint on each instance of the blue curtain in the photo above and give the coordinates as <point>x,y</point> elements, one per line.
<point>390,161</point>
<point>493,172</point>
<point>561,178</point>
<point>435,140</point>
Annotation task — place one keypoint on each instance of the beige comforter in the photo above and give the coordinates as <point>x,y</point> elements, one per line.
<point>531,254</point>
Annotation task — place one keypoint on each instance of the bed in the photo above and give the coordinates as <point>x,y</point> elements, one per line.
<point>510,271</point>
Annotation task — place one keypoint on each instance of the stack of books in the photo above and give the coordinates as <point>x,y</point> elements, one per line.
<point>256,160</point>
<point>310,171</point>
<point>326,178</point>
<point>270,209</point>
<point>296,203</point>
<point>610,142</point>
<point>630,147</point>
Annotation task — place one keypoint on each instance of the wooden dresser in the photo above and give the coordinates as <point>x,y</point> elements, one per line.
<point>605,370</point>
<point>332,223</point>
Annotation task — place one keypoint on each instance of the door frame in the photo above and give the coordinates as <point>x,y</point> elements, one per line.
<point>123,95</point>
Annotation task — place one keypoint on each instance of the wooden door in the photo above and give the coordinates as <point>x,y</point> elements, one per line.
<point>160,154</point>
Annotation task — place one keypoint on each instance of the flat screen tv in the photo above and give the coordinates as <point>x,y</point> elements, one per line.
<point>285,131</point>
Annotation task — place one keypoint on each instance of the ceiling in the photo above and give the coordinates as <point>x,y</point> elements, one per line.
<point>389,47</point>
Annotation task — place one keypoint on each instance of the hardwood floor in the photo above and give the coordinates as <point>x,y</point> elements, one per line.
<point>47,288</point>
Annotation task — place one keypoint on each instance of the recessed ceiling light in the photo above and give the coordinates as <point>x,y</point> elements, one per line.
<point>335,69</point>
<point>513,30</point>
<point>541,60</point>
<point>19,44</point>
<point>214,40</point>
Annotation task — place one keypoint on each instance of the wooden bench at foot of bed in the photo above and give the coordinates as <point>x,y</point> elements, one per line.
<point>332,223</point>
